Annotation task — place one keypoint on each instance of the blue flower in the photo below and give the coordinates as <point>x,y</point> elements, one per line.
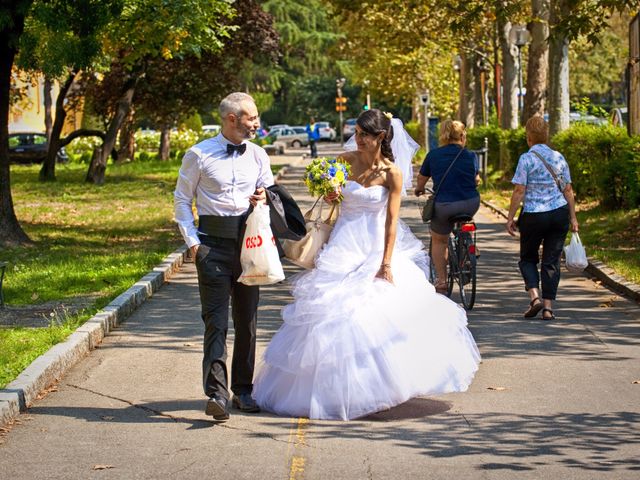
<point>332,170</point>
<point>333,160</point>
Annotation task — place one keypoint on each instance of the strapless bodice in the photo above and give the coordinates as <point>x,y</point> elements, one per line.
<point>360,199</point>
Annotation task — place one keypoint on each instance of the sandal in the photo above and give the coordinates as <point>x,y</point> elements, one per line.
<point>534,308</point>
<point>551,315</point>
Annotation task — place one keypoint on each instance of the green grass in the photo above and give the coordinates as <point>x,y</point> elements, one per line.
<point>611,236</point>
<point>20,346</point>
<point>90,242</point>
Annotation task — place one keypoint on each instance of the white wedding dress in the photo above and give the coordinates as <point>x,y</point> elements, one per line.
<point>352,344</point>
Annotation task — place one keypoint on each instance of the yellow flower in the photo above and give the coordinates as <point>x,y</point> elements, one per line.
<point>388,115</point>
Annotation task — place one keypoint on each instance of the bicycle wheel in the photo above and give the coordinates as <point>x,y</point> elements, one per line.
<point>452,274</point>
<point>467,273</point>
<point>432,267</point>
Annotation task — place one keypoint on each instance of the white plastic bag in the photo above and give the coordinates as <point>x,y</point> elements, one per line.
<point>575,255</point>
<point>259,255</point>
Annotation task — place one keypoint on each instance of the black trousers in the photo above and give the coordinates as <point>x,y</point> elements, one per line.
<point>314,148</point>
<point>218,265</point>
<point>548,229</point>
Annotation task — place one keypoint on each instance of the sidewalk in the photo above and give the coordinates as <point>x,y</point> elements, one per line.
<point>551,400</point>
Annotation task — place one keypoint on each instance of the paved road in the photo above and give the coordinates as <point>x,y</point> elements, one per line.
<point>551,400</point>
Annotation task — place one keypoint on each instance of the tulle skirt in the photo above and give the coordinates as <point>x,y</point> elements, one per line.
<point>351,344</point>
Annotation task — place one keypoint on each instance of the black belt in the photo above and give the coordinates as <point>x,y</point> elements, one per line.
<point>223,227</point>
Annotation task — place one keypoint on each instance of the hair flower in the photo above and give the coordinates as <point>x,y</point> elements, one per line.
<point>389,115</point>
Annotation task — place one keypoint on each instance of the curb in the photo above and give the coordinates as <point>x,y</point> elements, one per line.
<point>595,268</point>
<point>49,367</point>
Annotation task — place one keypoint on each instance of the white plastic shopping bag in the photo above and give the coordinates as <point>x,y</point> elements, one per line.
<point>575,255</point>
<point>259,255</point>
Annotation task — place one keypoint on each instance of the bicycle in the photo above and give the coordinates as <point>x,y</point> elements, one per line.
<point>462,261</point>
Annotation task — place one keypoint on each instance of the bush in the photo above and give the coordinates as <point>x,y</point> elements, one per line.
<point>148,140</point>
<point>414,129</point>
<point>81,149</point>
<point>604,163</point>
<point>494,134</point>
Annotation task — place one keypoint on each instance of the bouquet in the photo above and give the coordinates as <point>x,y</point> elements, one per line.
<point>326,175</point>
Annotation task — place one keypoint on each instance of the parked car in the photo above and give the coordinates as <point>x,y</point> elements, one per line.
<point>326,131</point>
<point>290,137</point>
<point>211,129</point>
<point>575,117</point>
<point>31,147</point>
<point>349,127</point>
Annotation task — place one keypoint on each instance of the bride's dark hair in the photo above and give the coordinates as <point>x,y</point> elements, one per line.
<point>374,122</point>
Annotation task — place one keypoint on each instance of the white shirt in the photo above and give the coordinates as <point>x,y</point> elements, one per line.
<point>220,183</point>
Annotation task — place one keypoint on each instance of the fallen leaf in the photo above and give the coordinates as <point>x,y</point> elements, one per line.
<point>107,417</point>
<point>636,382</point>
<point>498,389</point>
<point>102,467</point>
<point>188,344</point>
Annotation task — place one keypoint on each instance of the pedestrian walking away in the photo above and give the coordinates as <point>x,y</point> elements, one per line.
<point>543,181</point>
<point>224,175</point>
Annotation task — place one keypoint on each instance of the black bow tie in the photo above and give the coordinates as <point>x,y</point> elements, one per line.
<point>236,148</point>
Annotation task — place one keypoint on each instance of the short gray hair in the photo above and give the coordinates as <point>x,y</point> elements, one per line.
<point>232,103</point>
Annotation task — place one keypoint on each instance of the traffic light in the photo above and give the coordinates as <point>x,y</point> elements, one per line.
<point>341,104</point>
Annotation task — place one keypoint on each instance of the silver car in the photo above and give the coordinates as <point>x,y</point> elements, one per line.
<point>292,136</point>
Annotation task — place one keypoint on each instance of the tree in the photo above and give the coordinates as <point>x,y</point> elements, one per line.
<point>61,39</point>
<point>567,21</point>
<point>12,17</point>
<point>534,100</point>
<point>186,81</point>
<point>152,29</point>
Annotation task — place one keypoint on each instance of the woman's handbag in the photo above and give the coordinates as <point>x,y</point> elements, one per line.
<point>303,252</point>
<point>575,255</point>
<point>259,255</point>
<point>429,208</point>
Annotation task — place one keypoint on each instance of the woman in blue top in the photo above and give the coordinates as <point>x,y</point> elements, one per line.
<point>547,211</point>
<point>457,194</point>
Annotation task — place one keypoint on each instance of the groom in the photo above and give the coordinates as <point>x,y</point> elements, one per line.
<point>224,174</point>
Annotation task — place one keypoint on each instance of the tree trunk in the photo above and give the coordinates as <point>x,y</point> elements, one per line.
<point>48,170</point>
<point>509,77</point>
<point>558,69</point>
<point>127,148</point>
<point>47,87</point>
<point>165,145</point>
<point>538,60</point>
<point>10,230</point>
<point>466,108</point>
<point>478,100</point>
<point>98,164</point>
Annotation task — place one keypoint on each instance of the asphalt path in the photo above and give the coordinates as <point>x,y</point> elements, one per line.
<point>551,400</point>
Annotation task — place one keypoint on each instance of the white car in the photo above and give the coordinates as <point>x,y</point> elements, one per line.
<point>211,129</point>
<point>326,131</point>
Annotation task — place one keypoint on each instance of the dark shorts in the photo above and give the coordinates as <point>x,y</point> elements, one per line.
<point>445,210</point>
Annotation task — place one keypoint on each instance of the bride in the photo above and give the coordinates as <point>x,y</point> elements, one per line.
<point>366,330</point>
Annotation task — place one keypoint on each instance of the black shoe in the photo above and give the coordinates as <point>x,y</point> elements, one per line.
<point>217,407</point>
<point>245,403</point>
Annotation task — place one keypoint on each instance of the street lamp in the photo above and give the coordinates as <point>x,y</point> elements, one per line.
<point>366,86</point>
<point>425,100</point>
<point>519,36</point>
<point>339,84</point>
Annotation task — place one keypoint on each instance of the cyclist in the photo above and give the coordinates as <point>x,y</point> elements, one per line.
<point>458,194</point>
